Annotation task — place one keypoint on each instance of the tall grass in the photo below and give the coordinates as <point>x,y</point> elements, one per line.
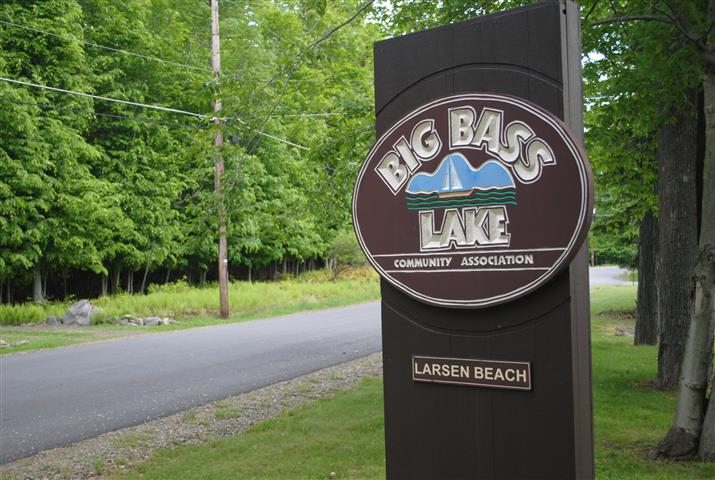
<point>29,313</point>
<point>246,299</point>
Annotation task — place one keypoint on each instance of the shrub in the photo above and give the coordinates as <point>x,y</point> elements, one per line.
<point>346,252</point>
<point>28,313</point>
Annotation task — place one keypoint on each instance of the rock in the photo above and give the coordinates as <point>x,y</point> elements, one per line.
<point>168,321</point>
<point>52,321</point>
<point>79,314</point>
<point>21,343</point>
<point>127,319</point>
<point>151,321</point>
<point>622,331</point>
<point>4,344</point>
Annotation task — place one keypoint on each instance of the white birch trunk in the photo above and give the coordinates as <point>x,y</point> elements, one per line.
<point>707,240</point>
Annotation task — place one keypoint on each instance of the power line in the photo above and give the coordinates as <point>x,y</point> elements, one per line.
<point>108,99</point>
<point>111,49</point>
<point>92,112</point>
<point>154,107</point>
<point>259,132</point>
<point>331,114</point>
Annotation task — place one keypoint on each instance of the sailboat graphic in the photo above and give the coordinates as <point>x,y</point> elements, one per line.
<point>452,186</point>
<point>456,184</point>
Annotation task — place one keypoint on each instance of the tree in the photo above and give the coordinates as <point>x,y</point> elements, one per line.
<point>69,211</point>
<point>692,430</point>
<point>647,307</point>
<point>122,191</point>
<point>677,237</point>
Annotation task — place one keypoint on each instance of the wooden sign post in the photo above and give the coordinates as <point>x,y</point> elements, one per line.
<point>474,206</point>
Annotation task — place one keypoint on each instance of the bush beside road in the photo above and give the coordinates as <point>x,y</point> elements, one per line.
<point>190,306</point>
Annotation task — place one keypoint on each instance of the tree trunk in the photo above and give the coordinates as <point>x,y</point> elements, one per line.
<point>707,243</point>
<point>677,234</point>
<point>10,295</point>
<point>683,437</point>
<point>202,278</point>
<point>104,285</point>
<point>647,306</point>
<point>146,273</point>
<point>2,285</point>
<point>44,283</point>
<point>706,449</point>
<point>116,273</point>
<point>130,281</point>
<point>704,318</point>
<point>168,276</point>
<point>37,286</point>
<point>250,271</point>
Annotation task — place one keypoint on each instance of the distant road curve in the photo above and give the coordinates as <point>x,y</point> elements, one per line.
<point>608,275</point>
<point>54,397</point>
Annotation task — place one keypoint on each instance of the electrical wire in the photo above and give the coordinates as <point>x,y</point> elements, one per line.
<point>92,112</point>
<point>111,49</point>
<point>258,132</point>
<point>154,107</point>
<point>107,99</point>
<point>333,114</point>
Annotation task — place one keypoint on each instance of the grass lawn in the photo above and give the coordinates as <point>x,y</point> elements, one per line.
<point>191,306</point>
<point>342,437</point>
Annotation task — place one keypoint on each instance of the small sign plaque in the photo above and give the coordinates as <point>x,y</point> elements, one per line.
<point>469,372</point>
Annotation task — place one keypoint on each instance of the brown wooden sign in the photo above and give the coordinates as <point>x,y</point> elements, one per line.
<point>469,372</point>
<point>474,195</point>
<point>473,200</point>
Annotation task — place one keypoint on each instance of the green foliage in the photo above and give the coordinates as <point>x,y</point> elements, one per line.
<point>346,251</point>
<point>109,188</point>
<point>21,314</point>
<point>248,300</point>
<point>634,74</point>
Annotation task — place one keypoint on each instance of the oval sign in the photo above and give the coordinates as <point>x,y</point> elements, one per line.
<point>473,200</point>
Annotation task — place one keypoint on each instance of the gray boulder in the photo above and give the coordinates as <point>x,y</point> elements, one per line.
<point>79,314</point>
<point>52,321</point>
<point>151,321</point>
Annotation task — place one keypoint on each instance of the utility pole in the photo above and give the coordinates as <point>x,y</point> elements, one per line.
<point>218,142</point>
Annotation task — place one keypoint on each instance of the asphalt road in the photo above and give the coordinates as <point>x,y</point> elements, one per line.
<point>608,275</point>
<point>54,397</point>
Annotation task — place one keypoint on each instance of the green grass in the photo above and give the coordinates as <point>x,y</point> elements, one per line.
<point>344,434</point>
<point>52,338</point>
<point>341,435</point>
<point>191,306</point>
